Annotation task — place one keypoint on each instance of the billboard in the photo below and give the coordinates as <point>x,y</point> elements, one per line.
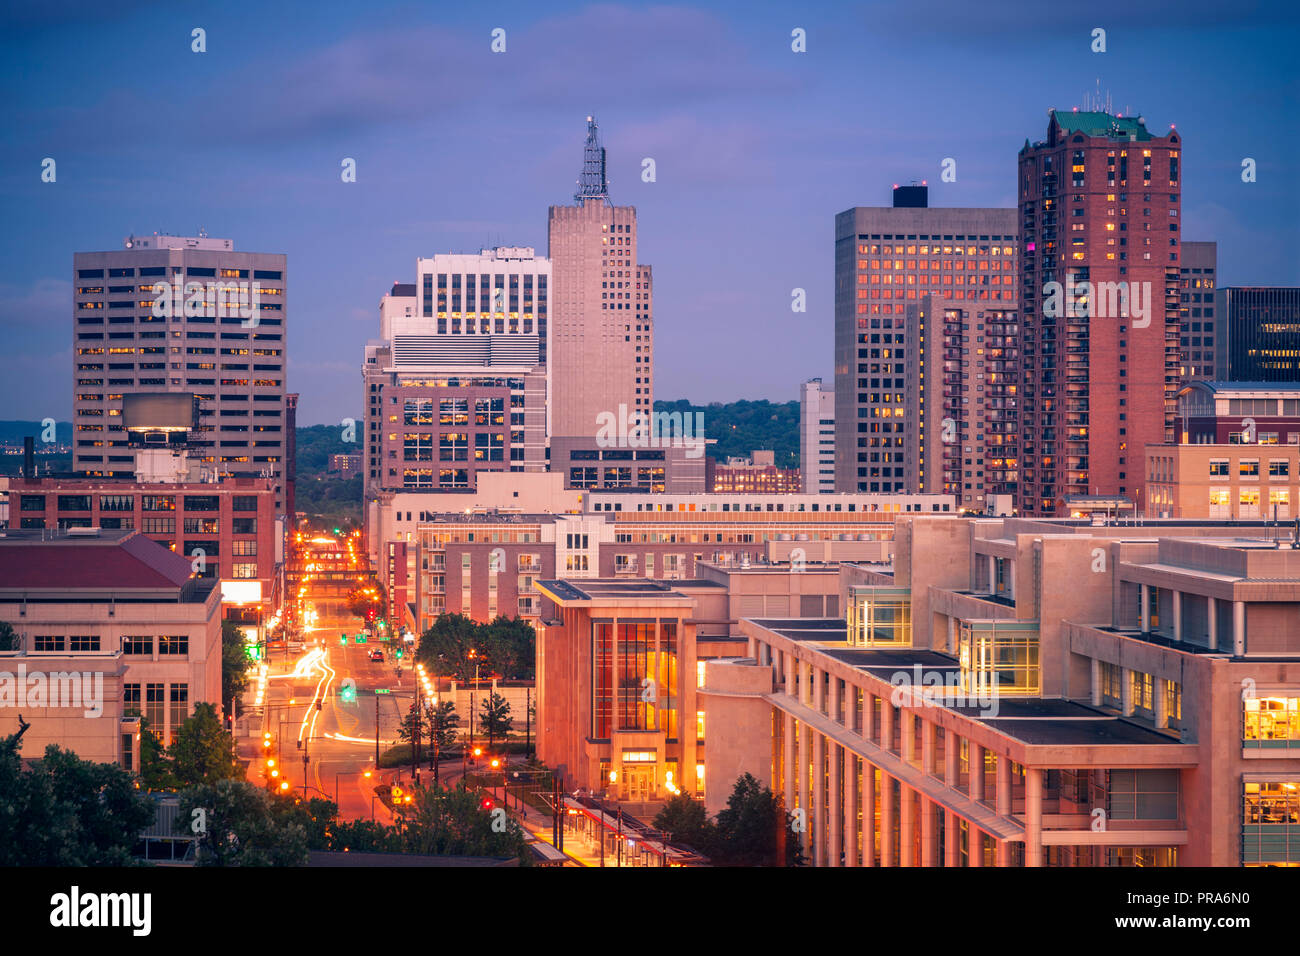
<point>158,411</point>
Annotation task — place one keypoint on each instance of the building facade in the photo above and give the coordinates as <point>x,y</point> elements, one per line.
<point>1099,266</point>
<point>816,437</point>
<point>887,260</point>
<point>756,475</point>
<point>224,341</point>
<point>1198,277</point>
<point>1233,482</point>
<point>1239,413</point>
<point>1258,334</point>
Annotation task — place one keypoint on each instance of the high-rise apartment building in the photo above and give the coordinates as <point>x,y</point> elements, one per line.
<point>458,383</point>
<point>1099,263</point>
<point>960,386</point>
<point>887,259</point>
<point>817,437</point>
<point>1197,277</point>
<point>602,337</point>
<point>1258,336</point>
<point>221,336</point>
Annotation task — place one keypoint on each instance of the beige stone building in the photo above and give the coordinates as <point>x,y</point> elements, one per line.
<point>1235,482</point>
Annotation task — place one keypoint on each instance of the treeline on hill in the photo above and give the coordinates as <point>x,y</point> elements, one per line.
<point>741,427</point>
<point>317,442</point>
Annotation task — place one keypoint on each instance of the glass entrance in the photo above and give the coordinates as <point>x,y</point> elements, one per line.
<point>640,782</point>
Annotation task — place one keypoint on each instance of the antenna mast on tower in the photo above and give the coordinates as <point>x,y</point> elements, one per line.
<point>593,184</point>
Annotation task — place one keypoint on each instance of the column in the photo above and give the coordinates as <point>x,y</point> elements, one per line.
<point>817,816</point>
<point>975,846</point>
<point>1033,817</point>
<point>886,819</point>
<point>927,830</point>
<point>852,779</point>
<point>928,747</point>
<point>1178,614</point>
<point>834,697</point>
<point>789,674</point>
<point>1238,628</point>
<point>1162,702</point>
<point>788,758</point>
<point>1144,607</point>
<point>868,814</point>
<point>1003,851</point>
<point>952,634</point>
<point>975,757</point>
<point>993,573</point>
<point>835,801</point>
<point>1095,677</point>
<point>1212,617</point>
<point>907,736</point>
<point>951,839</point>
<point>1126,691</point>
<point>818,679</point>
<point>1003,798</point>
<point>868,715</point>
<point>951,759</point>
<point>801,774</point>
<point>906,825</point>
<point>886,724</point>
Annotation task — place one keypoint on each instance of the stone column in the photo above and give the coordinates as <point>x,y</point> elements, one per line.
<point>886,724</point>
<point>817,816</point>
<point>1212,617</point>
<point>835,801</point>
<point>1161,702</point>
<point>974,846</point>
<point>975,784</point>
<point>951,839</point>
<point>789,760</point>
<point>927,829</point>
<point>1178,614</point>
<point>886,819</point>
<point>907,736</point>
<point>927,747</point>
<point>951,759</point>
<point>1145,607</point>
<point>852,781</point>
<point>906,825</point>
<point>1238,628</point>
<point>1095,670</point>
<point>1033,817</point>
<point>868,814</point>
<point>1003,797</point>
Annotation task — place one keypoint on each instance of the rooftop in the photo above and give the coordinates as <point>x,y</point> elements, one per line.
<point>107,563</point>
<point>1102,124</point>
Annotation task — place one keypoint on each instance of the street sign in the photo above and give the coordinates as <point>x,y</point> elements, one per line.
<point>361,639</point>
<point>382,690</point>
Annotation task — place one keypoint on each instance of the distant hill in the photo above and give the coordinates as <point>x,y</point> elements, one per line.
<point>317,442</point>
<point>741,427</point>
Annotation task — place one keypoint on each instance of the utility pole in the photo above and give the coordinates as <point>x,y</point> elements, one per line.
<point>376,732</point>
<point>528,723</point>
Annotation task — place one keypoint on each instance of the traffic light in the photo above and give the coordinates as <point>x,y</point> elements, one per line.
<point>399,653</point>
<point>487,804</point>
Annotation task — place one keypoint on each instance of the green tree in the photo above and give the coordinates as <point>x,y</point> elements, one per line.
<point>447,822</point>
<point>234,665</point>
<point>9,639</point>
<point>65,811</point>
<point>365,836</point>
<point>202,751</point>
<point>750,829</point>
<point>495,717</point>
<point>156,769</point>
<point>239,826</point>
<point>445,647</point>
<point>684,820</point>
<point>443,725</point>
<point>511,647</point>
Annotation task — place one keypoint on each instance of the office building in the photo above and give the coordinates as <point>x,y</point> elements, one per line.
<point>758,474</point>
<point>816,437</point>
<point>1232,482</point>
<point>1220,413</point>
<point>602,340</point>
<point>1196,314</point>
<point>220,336</point>
<point>887,259</point>
<point>1258,336</point>
<point>117,627</point>
<point>1099,263</point>
<point>458,384</point>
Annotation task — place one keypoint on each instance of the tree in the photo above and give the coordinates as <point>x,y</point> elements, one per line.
<point>446,822</point>
<point>203,752</point>
<point>9,639</point>
<point>443,724</point>
<point>510,645</point>
<point>156,768</point>
<point>495,718</point>
<point>684,820</point>
<point>445,647</point>
<point>239,827</point>
<point>66,811</point>
<point>234,665</point>
<point>749,830</point>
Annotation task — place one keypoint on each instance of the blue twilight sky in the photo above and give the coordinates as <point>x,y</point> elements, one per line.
<point>756,149</point>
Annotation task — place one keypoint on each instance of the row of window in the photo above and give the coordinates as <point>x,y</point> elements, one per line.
<point>168,644</point>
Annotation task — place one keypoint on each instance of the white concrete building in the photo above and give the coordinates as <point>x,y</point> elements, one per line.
<point>817,437</point>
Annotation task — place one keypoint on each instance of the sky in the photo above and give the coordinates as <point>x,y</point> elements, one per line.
<point>756,147</point>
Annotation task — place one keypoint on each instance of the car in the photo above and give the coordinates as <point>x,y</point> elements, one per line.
<point>376,655</point>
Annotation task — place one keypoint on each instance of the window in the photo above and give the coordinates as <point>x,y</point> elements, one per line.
<point>153,708</point>
<point>180,701</point>
<point>158,503</point>
<point>243,549</point>
<point>1142,794</point>
<point>1218,468</point>
<point>243,570</point>
<point>1279,468</point>
<point>138,645</point>
<point>1249,468</point>
<point>244,525</point>
<point>33,503</point>
<point>174,644</point>
<point>201,526</point>
<point>1272,723</point>
<point>117,502</point>
<point>130,700</point>
<point>74,502</point>
<point>1270,823</point>
<point>158,526</point>
<point>243,503</point>
<point>202,503</point>
<point>83,642</point>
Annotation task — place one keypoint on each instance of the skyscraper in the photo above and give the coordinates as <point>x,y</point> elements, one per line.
<point>602,335</point>
<point>221,337</point>
<point>887,260</point>
<point>1099,220</point>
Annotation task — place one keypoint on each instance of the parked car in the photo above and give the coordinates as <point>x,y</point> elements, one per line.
<point>376,654</point>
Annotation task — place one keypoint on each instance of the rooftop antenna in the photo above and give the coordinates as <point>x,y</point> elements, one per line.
<point>593,184</point>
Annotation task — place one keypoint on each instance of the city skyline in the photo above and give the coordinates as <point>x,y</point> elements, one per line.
<point>758,137</point>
